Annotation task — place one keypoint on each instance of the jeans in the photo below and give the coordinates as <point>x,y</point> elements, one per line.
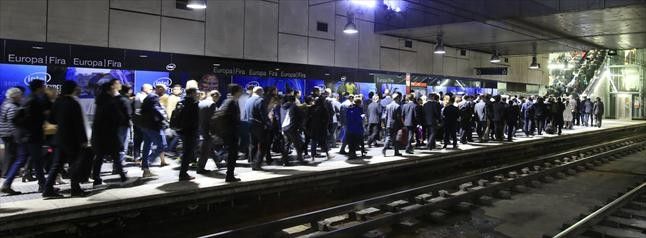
<point>586,118</point>
<point>466,132</point>
<point>599,119</point>
<point>206,151</point>
<point>528,126</point>
<point>499,129</point>
<point>35,150</point>
<point>373,129</point>
<point>124,137</point>
<point>152,137</point>
<point>137,140</point>
<point>411,137</point>
<point>511,130</point>
<point>480,128</point>
<point>172,145</point>
<point>391,134</point>
<point>10,152</point>
<point>98,163</point>
<point>293,136</point>
<point>540,124</point>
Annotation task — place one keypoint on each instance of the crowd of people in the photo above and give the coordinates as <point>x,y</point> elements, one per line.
<point>249,123</point>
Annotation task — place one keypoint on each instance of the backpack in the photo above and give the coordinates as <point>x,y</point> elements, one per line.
<point>176,117</point>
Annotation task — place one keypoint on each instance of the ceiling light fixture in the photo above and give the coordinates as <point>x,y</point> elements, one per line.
<point>143,56</point>
<point>439,45</point>
<point>495,57</point>
<point>350,27</point>
<point>196,4</point>
<point>534,64</point>
<point>37,47</point>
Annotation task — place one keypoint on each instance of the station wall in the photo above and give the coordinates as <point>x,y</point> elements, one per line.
<point>267,30</point>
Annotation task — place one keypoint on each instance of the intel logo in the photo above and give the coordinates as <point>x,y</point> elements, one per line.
<point>171,67</point>
<point>37,76</point>
<point>164,80</point>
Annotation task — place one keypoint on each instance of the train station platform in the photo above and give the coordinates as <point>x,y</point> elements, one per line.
<point>138,195</point>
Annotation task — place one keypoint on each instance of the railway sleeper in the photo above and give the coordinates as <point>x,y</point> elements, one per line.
<point>364,214</point>
<point>633,223</point>
<point>606,231</point>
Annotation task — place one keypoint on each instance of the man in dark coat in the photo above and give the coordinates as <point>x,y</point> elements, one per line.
<point>540,114</point>
<point>420,136</point>
<point>320,115</point>
<point>409,116</point>
<point>450,116</point>
<point>374,120</point>
<point>257,116</point>
<point>189,131</point>
<point>498,117</point>
<point>598,111</point>
<point>231,123</point>
<point>557,109</point>
<point>466,119</point>
<point>70,138</point>
<point>394,122</point>
<point>513,112</point>
<point>153,122</point>
<point>108,118</point>
<point>432,117</point>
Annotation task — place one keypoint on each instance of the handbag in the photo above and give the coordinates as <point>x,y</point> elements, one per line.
<point>402,136</point>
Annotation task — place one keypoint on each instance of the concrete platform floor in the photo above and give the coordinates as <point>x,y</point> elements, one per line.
<point>541,210</point>
<point>166,182</point>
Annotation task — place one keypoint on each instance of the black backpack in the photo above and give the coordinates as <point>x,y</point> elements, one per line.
<point>176,117</point>
<point>218,126</point>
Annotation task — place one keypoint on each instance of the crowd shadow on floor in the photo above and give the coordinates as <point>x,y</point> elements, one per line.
<point>11,210</point>
<point>179,186</point>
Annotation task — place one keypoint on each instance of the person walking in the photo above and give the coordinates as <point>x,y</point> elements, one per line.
<point>450,116</point>
<point>466,108</point>
<point>540,114</point>
<point>70,139</point>
<point>374,120</point>
<point>10,106</point>
<point>153,123</point>
<point>598,111</point>
<point>321,114</point>
<point>354,129</point>
<point>207,107</point>
<point>394,122</point>
<point>291,123</point>
<point>109,117</point>
<point>498,117</point>
<point>481,115</point>
<point>432,117</point>
<point>258,116</point>
<point>558,108</point>
<point>409,116</point>
<point>188,131</point>
<point>13,96</point>
<point>226,127</point>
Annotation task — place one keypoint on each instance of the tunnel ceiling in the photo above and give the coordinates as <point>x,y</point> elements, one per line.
<point>513,26</point>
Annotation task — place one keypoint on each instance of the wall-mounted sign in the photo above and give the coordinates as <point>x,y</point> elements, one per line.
<point>491,71</point>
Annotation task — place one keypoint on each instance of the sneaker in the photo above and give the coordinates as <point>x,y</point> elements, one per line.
<point>9,191</point>
<point>232,180</point>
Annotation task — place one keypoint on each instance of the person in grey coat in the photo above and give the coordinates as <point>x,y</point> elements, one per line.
<point>598,111</point>
<point>393,124</point>
<point>207,107</point>
<point>481,116</point>
<point>409,116</point>
<point>374,120</point>
<point>587,111</point>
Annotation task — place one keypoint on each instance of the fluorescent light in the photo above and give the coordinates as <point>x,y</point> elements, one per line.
<point>534,64</point>
<point>365,3</point>
<point>143,56</point>
<point>439,45</point>
<point>196,4</point>
<point>495,58</point>
<point>350,28</point>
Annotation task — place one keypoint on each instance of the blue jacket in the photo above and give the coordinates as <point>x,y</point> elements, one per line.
<point>354,122</point>
<point>255,111</point>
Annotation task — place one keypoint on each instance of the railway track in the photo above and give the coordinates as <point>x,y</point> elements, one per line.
<point>622,217</point>
<point>403,207</point>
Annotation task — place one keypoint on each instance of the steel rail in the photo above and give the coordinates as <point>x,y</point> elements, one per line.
<point>598,215</point>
